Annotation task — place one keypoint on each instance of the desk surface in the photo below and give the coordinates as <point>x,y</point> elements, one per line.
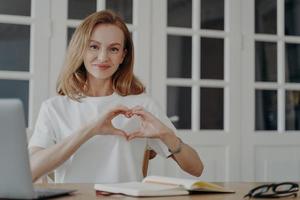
<point>86,191</point>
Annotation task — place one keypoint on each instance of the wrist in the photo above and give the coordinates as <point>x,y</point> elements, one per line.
<point>89,131</point>
<point>173,142</point>
<point>167,136</point>
<point>177,149</point>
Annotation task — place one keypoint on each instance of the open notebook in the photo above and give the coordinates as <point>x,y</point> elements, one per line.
<point>161,186</point>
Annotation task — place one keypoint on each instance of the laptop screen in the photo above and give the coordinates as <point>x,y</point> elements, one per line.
<point>15,174</point>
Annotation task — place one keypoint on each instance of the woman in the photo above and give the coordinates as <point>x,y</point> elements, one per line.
<point>97,128</point>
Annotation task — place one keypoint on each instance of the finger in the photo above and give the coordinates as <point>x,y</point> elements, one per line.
<point>120,132</point>
<point>118,110</point>
<point>128,114</point>
<point>143,114</point>
<point>140,115</point>
<point>137,108</point>
<point>137,134</point>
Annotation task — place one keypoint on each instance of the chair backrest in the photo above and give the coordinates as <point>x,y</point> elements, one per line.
<point>146,161</point>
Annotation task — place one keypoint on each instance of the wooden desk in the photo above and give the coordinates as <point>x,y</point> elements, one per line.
<point>86,191</point>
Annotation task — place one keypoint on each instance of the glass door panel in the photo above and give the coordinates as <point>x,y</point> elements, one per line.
<point>14,47</point>
<point>212,58</point>
<point>179,13</point>
<point>15,7</point>
<point>212,14</point>
<point>212,108</point>
<point>266,16</point>
<point>292,64</point>
<point>265,110</point>
<point>179,106</point>
<point>123,8</point>
<point>265,61</point>
<point>78,9</point>
<point>179,57</point>
<point>16,89</point>
<point>292,16</point>
<point>292,110</point>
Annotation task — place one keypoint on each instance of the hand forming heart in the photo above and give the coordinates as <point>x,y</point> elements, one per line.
<point>151,127</point>
<point>103,124</point>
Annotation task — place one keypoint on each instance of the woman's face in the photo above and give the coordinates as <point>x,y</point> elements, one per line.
<point>105,51</point>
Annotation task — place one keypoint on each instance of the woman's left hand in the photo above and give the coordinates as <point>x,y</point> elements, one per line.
<point>151,127</point>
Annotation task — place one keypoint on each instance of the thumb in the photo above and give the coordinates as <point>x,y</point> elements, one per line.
<point>133,135</point>
<point>120,132</point>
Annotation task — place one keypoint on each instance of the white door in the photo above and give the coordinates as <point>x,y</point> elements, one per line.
<point>231,85</point>
<point>271,90</point>
<point>195,77</point>
<point>24,50</point>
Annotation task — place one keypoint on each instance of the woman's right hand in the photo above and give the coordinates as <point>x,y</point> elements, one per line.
<point>104,126</point>
<point>46,160</point>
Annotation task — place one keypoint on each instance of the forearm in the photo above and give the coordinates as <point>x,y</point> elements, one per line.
<point>46,160</point>
<point>187,158</point>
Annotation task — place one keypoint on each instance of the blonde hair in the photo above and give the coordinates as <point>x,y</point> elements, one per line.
<point>73,78</point>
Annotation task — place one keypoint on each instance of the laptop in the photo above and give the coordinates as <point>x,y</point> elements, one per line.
<point>15,173</point>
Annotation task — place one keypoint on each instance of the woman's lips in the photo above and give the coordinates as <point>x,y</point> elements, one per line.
<point>101,66</point>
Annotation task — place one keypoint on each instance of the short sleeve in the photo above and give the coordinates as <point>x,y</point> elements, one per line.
<point>157,145</point>
<point>43,135</point>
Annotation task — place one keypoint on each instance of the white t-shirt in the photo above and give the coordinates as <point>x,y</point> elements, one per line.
<point>103,158</point>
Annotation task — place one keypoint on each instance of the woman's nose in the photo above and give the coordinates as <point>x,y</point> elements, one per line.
<point>102,55</point>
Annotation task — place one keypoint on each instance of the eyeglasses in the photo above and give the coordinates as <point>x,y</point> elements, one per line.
<point>274,190</point>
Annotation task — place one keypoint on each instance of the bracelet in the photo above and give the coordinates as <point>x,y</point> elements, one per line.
<point>177,150</point>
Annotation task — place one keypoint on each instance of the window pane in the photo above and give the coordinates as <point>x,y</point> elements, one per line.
<point>78,9</point>
<point>292,63</point>
<point>265,110</point>
<point>292,10</point>
<point>16,89</point>
<point>212,58</point>
<point>266,16</point>
<point>265,61</point>
<point>179,63</point>
<point>179,106</point>
<point>292,110</point>
<point>14,47</point>
<point>15,7</point>
<point>123,8</point>
<point>212,108</point>
<point>70,33</point>
<point>212,14</point>
<point>180,13</point>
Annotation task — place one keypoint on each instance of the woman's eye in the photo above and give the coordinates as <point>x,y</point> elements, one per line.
<point>114,50</point>
<point>93,47</point>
